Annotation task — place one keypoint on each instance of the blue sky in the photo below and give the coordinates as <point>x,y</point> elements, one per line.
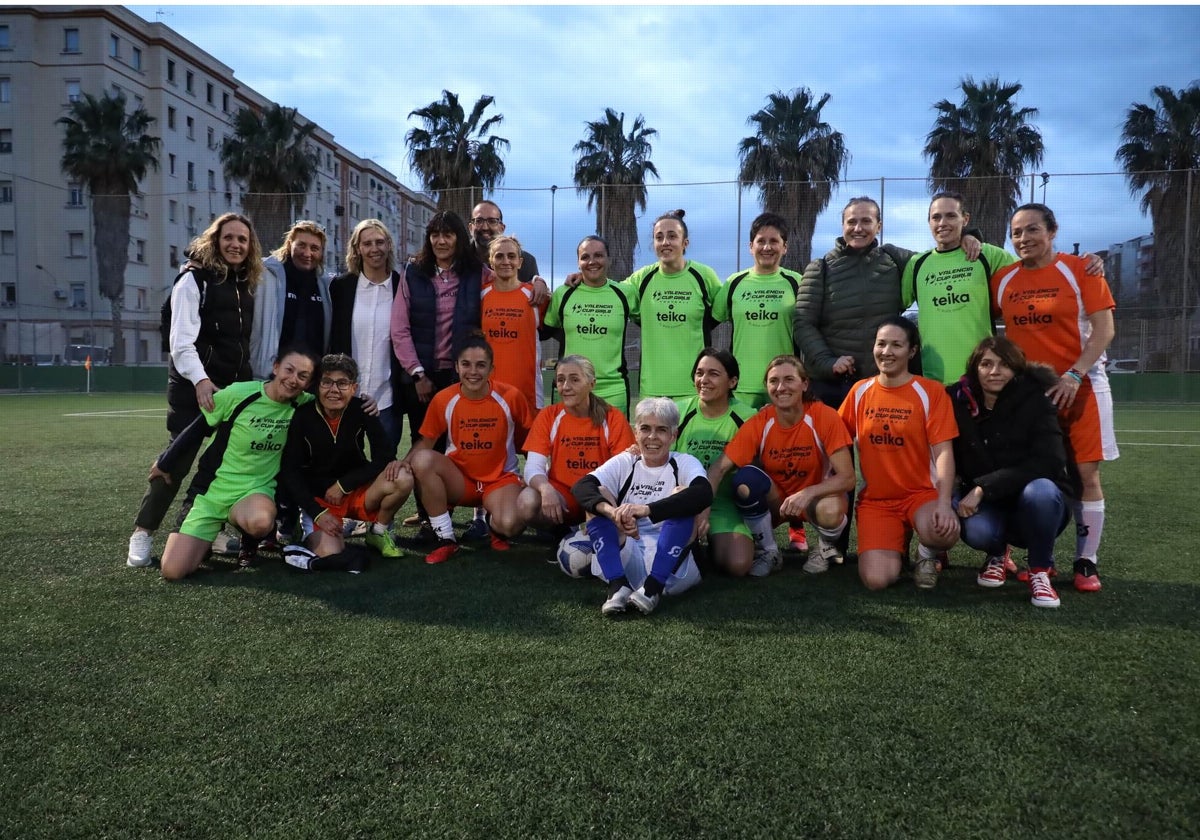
<point>696,73</point>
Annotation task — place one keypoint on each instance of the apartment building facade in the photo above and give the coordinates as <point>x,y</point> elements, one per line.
<point>51,56</point>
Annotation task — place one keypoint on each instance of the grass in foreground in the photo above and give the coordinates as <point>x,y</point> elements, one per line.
<point>488,697</point>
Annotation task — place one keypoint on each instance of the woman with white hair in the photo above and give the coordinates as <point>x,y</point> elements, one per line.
<point>643,513</point>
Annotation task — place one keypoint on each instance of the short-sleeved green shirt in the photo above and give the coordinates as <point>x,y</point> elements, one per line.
<point>953,306</point>
<point>594,323</point>
<point>673,310</point>
<point>704,438</point>
<point>761,308</point>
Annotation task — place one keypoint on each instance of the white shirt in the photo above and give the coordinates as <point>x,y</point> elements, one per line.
<point>371,339</point>
<point>647,484</point>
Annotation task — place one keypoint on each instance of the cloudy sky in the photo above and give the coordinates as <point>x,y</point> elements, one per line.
<point>696,73</point>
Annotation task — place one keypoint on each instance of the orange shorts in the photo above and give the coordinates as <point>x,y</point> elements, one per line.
<point>474,492</point>
<point>574,512</point>
<point>884,525</point>
<point>352,506</point>
<point>1088,426</point>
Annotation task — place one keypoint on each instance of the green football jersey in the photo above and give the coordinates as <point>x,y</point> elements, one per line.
<point>676,318</point>
<point>594,321</point>
<point>761,308</point>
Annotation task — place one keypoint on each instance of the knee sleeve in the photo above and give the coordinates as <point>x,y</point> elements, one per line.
<point>750,488</point>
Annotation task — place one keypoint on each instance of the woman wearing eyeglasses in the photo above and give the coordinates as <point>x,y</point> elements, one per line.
<point>326,469</point>
<point>291,306</point>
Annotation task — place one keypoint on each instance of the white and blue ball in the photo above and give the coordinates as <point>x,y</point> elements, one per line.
<point>575,555</point>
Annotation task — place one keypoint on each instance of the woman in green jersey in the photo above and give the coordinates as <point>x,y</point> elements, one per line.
<point>675,310</point>
<point>708,421</point>
<point>236,478</point>
<point>593,318</point>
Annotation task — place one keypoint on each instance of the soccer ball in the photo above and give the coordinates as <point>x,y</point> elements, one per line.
<point>575,555</point>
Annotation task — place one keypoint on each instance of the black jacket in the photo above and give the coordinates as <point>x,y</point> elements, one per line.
<point>1018,441</point>
<point>315,457</point>
<point>342,292</point>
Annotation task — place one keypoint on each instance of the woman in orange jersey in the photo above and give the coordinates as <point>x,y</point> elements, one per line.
<point>1063,317</point>
<point>485,422</point>
<point>511,322</point>
<point>794,465</point>
<point>566,442</point>
<point>904,426</point>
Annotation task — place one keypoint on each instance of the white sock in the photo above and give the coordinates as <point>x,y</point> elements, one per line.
<point>925,552</point>
<point>480,514</point>
<point>761,530</point>
<point>1089,527</point>
<point>831,534</point>
<point>376,528</point>
<point>443,526</point>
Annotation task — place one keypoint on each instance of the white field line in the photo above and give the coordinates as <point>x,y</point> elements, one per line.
<point>127,414</point>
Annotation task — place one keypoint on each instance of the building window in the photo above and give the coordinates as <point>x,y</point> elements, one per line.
<point>173,258</point>
<point>225,102</point>
<point>189,82</point>
<point>141,300</point>
<point>78,296</point>
<point>5,43</point>
<point>212,181</point>
<point>135,58</point>
<point>139,251</point>
<point>191,128</point>
<point>171,163</point>
<point>75,246</point>
<point>138,103</point>
<point>74,195</point>
<point>8,294</point>
<point>6,141</point>
<point>170,118</point>
<point>8,242</point>
<point>71,40</point>
<point>191,227</point>
<point>191,175</point>
<point>212,138</point>
<point>170,71</point>
<point>6,192</point>
<point>74,91</point>
<point>5,90</point>
<point>114,46</point>
<point>208,93</point>
<point>172,210</point>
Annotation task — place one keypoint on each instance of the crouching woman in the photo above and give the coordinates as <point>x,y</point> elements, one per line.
<point>643,513</point>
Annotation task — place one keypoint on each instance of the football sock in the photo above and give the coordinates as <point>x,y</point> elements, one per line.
<point>831,534</point>
<point>614,586</point>
<point>673,538</point>
<point>607,544</point>
<point>1089,527</point>
<point>480,514</point>
<point>443,525</point>
<point>762,532</point>
<point>653,586</point>
<point>925,552</point>
<point>376,528</point>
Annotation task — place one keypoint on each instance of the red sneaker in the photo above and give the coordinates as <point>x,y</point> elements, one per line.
<point>1087,579</point>
<point>445,550</point>
<point>992,573</point>
<point>1041,590</point>
<point>499,543</point>
<point>797,537</point>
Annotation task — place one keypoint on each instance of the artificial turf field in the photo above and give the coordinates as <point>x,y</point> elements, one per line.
<point>487,697</point>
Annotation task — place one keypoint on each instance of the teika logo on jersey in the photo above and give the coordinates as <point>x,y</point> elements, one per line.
<point>502,323</point>
<point>477,434</point>
<point>944,288</point>
<point>888,425</point>
<point>589,314</point>
<point>581,452</point>
<point>670,309</point>
<point>790,462</point>
<point>1033,308</point>
<point>762,305</point>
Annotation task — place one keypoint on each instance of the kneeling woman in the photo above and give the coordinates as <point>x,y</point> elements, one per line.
<point>1016,484</point>
<point>484,422</point>
<point>644,510</point>
<point>794,465</point>
<point>567,441</point>
<point>326,470</point>
<point>236,477</point>
<point>904,426</point>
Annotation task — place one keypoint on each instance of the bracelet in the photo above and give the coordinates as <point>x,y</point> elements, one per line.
<point>1076,375</point>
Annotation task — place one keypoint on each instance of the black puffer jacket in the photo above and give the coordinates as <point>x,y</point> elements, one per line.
<point>842,300</point>
<point>1018,441</point>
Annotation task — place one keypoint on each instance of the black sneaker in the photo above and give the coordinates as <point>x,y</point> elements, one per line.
<point>248,553</point>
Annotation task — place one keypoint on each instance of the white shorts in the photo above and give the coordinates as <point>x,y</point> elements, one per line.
<point>637,558</point>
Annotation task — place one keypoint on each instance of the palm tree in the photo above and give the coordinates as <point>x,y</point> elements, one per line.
<point>453,153</point>
<point>611,170</point>
<point>980,148</point>
<point>271,155</point>
<point>1161,159</point>
<point>795,159</point>
<point>109,151</point>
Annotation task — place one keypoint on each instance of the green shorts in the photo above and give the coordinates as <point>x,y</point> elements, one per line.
<point>210,512</point>
<point>725,518</point>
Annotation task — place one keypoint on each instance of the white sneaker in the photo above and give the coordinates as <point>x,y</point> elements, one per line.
<point>645,603</point>
<point>227,544</point>
<point>765,562</point>
<point>925,572</point>
<point>820,556</point>
<point>140,544</point>
<point>617,602</point>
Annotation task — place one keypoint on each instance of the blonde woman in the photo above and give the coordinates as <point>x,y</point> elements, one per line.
<point>291,307</point>
<point>212,309</point>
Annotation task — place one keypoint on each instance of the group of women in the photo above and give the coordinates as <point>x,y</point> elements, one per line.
<point>1001,457</point>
